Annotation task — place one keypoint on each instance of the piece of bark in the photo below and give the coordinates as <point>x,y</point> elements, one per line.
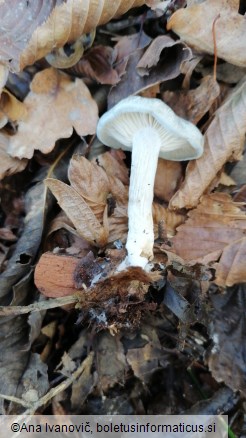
<point>54,275</point>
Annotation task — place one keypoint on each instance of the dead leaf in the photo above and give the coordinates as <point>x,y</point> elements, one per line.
<point>163,67</point>
<point>3,76</point>
<point>113,164</point>
<point>238,173</point>
<point>231,268</point>
<point>55,105</point>
<point>7,234</point>
<point>89,180</point>
<point>16,282</point>
<point>111,362</point>
<point>45,26</point>
<point>83,386</point>
<point>78,212</point>
<point>213,228</point>
<point>192,105</point>
<point>167,178</point>
<point>125,47</point>
<point>11,109</point>
<point>225,72</point>
<point>154,53</point>
<point>98,65</point>
<point>194,26</point>
<point>118,224</point>
<point>166,219</point>
<point>240,196</point>
<point>8,164</point>
<point>227,330</point>
<point>224,141</point>
<point>103,198</point>
<point>145,360</point>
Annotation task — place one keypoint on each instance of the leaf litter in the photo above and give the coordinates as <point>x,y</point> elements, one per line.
<point>120,341</point>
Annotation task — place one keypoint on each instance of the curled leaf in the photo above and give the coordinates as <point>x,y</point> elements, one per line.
<point>192,104</point>
<point>46,25</point>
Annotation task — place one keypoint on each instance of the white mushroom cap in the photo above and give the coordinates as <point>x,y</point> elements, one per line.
<point>180,139</point>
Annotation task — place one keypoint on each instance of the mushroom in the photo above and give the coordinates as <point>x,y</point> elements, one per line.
<point>150,129</point>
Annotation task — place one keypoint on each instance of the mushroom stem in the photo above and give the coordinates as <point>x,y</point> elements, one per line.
<point>140,241</point>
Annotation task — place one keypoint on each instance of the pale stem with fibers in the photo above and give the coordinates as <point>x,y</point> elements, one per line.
<point>140,240</point>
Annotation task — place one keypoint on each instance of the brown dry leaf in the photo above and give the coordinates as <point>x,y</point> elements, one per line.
<point>194,26</point>
<point>78,212</point>
<point>145,360</point>
<point>98,65</point>
<point>224,141</point>
<point>125,46</point>
<point>8,164</point>
<point>89,180</point>
<point>167,220</point>
<point>111,362</point>
<point>210,231</point>
<point>192,105</point>
<point>3,76</point>
<point>153,53</point>
<point>164,66</point>
<point>226,360</point>
<point>113,164</point>
<point>55,105</point>
<point>117,173</point>
<point>11,109</point>
<point>118,224</point>
<point>231,268</point>
<point>33,29</point>
<point>167,178</point>
<point>93,184</point>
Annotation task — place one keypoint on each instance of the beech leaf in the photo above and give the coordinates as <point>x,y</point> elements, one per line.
<point>88,179</point>
<point>215,228</point>
<point>231,268</point>
<point>57,104</point>
<point>192,104</point>
<point>194,25</point>
<point>78,212</point>
<point>48,24</point>
<point>224,141</point>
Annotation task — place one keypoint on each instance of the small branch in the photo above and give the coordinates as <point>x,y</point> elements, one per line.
<point>215,45</point>
<point>33,407</point>
<point>38,307</point>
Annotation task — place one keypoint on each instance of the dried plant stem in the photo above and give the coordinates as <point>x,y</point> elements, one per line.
<point>215,45</point>
<point>33,407</point>
<point>38,307</point>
